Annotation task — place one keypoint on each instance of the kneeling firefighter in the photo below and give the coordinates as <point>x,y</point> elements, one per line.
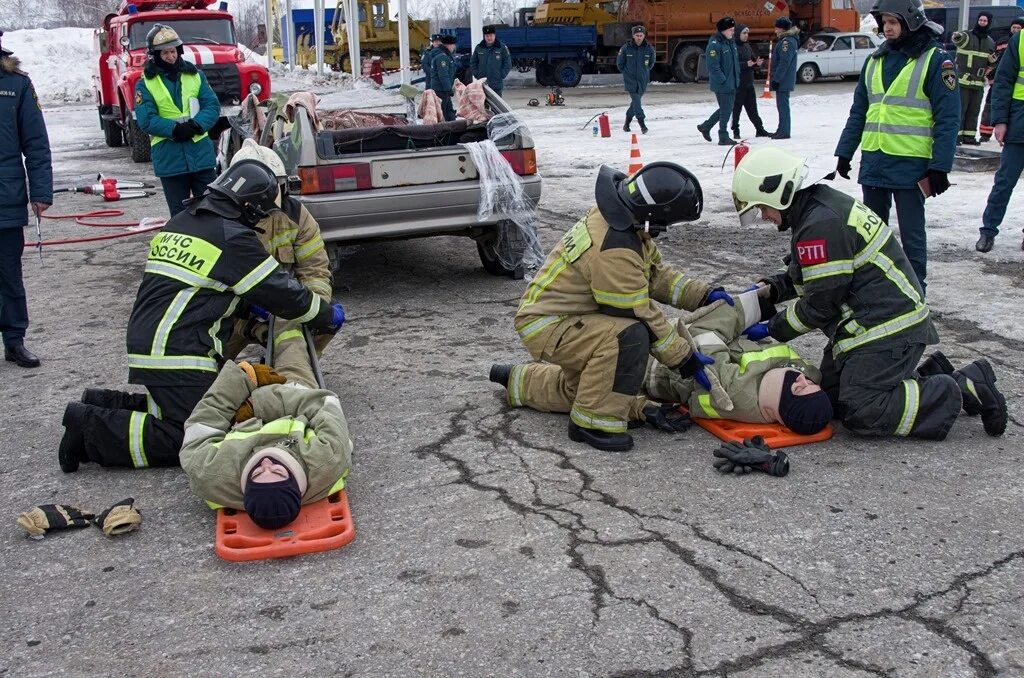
<point>851,280</point>
<point>590,313</point>
<point>201,266</point>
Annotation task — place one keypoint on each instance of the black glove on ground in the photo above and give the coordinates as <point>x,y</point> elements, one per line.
<point>667,417</point>
<point>182,131</point>
<point>939,181</point>
<point>752,455</point>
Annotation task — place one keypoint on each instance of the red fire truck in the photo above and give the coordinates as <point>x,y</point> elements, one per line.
<point>210,43</point>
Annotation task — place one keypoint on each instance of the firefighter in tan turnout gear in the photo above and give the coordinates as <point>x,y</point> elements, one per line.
<point>851,280</point>
<point>590,319</point>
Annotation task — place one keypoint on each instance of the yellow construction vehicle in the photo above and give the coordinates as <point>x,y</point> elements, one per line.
<point>580,13</point>
<point>378,36</point>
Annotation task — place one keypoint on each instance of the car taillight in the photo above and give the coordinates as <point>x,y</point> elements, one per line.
<point>335,178</point>
<point>523,162</point>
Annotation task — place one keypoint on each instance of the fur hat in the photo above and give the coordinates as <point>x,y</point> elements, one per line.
<point>725,23</point>
<point>784,23</point>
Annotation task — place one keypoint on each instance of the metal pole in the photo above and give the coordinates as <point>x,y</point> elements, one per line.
<point>965,15</point>
<point>269,10</point>
<point>476,23</point>
<point>289,21</point>
<point>353,45</point>
<point>318,29</point>
<point>403,40</point>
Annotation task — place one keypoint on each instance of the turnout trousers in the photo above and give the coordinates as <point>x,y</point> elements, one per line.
<point>636,109</point>
<point>13,304</point>
<point>970,108</point>
<point>593,368</point>
<point>181,187</point>
<point>910,212</point>
<point>1011,164</point>
<point>138,430</point>
<point>878,392</point>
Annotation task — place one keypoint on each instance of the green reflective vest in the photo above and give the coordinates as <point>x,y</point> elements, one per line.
<point>899,120</point>
<point>165,106</point>
<point>1018,88</point>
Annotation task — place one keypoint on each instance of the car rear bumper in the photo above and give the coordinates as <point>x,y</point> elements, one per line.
<point>404,211</point>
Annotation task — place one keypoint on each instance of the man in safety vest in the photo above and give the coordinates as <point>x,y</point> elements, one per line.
<point>905,117</point>
<point>1008,129</point>
<point>985,128</point>
<point>852,281</point>
<point>203,265</point>
<point>974,53</point>
<point>177,107</point>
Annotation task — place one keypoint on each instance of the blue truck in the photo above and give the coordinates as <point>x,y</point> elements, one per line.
<point>559,54</point>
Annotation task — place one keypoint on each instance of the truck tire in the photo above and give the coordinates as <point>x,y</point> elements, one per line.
<point>808,73</point>
<point>139,143</point>
<point>545,74</point>
<point>113,134</point>
<point>685,63</point>
<point>487,248</point>
<point>567,73</point>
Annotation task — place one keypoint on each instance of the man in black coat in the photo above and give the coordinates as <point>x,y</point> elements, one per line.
<point>746,95</point>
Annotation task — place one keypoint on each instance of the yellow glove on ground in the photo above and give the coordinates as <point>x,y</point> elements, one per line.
<point>120,518</point>
<point>39,520</point>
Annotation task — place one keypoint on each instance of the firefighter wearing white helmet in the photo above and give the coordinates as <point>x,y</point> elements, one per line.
<point>852,281</point>
<point>293,238</point>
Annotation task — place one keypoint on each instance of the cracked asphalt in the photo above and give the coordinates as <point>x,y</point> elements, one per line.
<point>488,543</point>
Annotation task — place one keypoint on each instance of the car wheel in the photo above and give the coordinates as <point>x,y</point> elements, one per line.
<point>567,73</point>
<point>496,252</point>
<point>113,134</point>
<point>139,143</point>
<point>545,73</point>
<point>808,73</point>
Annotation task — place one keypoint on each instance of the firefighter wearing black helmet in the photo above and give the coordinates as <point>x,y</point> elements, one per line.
<point>589,316</point>
<point>204,266</point>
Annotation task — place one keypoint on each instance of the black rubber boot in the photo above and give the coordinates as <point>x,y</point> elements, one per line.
<point>977,383</point>
<point>936,363</point>
<point>606,442</point>
<point>724,140</point>
<point>986,242</point>
<point>500,374</point>
<point>704,131</point>
<point>643,127</point>
<point>625,128</point>
<point>72,446</point>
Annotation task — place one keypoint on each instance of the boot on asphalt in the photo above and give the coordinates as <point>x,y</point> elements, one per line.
<point>606,442</point>
<point>977,383</point>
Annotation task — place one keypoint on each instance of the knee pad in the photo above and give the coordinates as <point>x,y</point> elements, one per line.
<point>634,346</point>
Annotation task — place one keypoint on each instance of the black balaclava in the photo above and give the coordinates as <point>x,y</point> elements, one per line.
<point>803,414</point>
<point>273,505</point>
<point>170,70</point>
<point>982,31</point>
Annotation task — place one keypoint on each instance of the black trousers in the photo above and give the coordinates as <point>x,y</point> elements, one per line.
<point>746,98</point>
<point>181,187</point>
<point>970,108</point>
<point>139,430</point>
<point>13,305</point>
<point>911,215</point>
<point>446,106</point>
<point>878,392</point>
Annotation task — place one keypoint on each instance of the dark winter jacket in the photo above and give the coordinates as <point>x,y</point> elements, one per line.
<point>886,171</point>
<point>723,66</point>
<point>744,53</point>
<point>172,157</point>
<point>492,62</point>
<point>426,59</point>
<point>972,51</point>
<point>22,133</point>
<point>442,71</point>
<point>850,278</point>
<point>635,62</point>
<point>784,58</point>
<point>1006,109</point>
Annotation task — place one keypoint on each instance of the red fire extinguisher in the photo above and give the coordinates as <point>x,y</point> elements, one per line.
<point>603,123</point>
<point>741,149</point>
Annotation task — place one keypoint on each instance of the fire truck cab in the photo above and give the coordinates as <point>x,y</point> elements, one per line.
<point>210,43</point>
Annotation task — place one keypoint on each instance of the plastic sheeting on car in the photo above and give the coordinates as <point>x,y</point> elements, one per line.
<point>502,195</point>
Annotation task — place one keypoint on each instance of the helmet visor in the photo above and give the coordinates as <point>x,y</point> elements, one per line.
<point>748,212</point>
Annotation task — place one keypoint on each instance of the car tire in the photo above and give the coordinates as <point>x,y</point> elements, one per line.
<point>685,63</point>
<point>487,248</point>
<point>808,73</point>
<point>567,73</point>
<point>545,74</point>
<point>138,141</point>
<point>113,133</point>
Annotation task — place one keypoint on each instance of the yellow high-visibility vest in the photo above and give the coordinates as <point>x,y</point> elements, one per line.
<point>165,106</point>
<point>899,119</point>
<point>1018,88</point>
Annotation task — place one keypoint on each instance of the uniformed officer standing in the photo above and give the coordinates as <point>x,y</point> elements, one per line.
<point>591,314</point>
<point>442,75</point>
<point>974,50</point>
<point>176,106</point>
<point>22,133</point>
<point>202,265</point>
<point>905,118</point>
<point>428,56</point>
<point>1008,129</point>
<point>635,62</point>
<point>492,60</point>
<point>784,58</point>
<point>852,281</point>
<point>985,128</point>
<point>724,78</point>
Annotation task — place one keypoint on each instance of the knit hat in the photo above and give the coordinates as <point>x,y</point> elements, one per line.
<point>273,505</point>
<point>725,23</point>
<point>1019,21</point>
<point>784,23</point>
<point>805,414</point>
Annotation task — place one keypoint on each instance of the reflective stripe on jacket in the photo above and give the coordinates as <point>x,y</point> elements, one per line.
<point>899,119</point>
<point>165,106</point>
<point>972,55</point>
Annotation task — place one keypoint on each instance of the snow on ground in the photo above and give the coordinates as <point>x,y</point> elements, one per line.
<point>960,279</point>
<point>61,61</point>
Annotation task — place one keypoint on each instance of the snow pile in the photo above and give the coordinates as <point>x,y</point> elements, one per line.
<point>60,61</point>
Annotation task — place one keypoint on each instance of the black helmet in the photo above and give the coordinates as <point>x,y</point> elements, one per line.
<point>251,187</point>
<point>660,194</point>
<point>162,37</point>
<point>910,11</point>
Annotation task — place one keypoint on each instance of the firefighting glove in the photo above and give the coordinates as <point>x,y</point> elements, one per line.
<point>843,167</point>
<point>47,517</point>
<point>716,294</point>
<point>752,455</point>
<point>261,375</point>
<point>694,367</point>
<point>181,132</point>
<point>244,412</point>
<point>667,417</point>
<point>756,332</point>
<point>120,518</point>
<point>939,181</point>
<point>337,316</point>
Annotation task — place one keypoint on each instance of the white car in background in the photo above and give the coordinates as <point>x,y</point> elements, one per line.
<point>825,55</point>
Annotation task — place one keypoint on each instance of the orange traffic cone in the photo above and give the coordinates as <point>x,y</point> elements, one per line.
<point>634,156</point>
<point>767,94</point>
